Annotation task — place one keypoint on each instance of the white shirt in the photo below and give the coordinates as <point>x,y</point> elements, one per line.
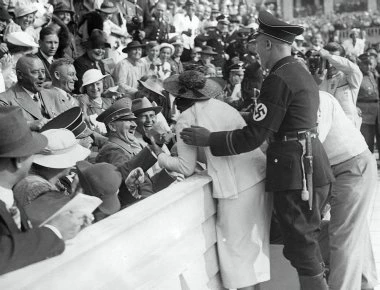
<point>340,138</point>
<point>48,58</point>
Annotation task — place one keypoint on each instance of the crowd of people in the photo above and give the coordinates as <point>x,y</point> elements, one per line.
<point>120,100</point>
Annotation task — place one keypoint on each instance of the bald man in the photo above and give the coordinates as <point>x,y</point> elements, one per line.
<point>38,105</point>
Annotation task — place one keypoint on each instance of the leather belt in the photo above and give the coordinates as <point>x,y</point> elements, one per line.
<point>296,136</point>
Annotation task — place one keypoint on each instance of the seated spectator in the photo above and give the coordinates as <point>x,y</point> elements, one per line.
<point>101,180</point>
<point>175,61</point>
<point>207,56</point>
<point>38,105</point>
<point>166,52</point>
<point>151,58</point>
<point>92,59</point>
<point>24,20</point>
<point>22,245</point>
<point>64,76</point>
<point>19,43</point>
<point>54,162</point>
<point>128,71</point>
<point>92,102</point>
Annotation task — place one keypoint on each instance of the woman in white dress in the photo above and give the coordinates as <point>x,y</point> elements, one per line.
<point>243,207</point>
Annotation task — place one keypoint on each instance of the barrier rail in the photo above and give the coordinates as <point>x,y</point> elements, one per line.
<point>164,242</point>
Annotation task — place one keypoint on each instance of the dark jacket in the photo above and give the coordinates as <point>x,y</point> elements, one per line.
<point>19,248</point>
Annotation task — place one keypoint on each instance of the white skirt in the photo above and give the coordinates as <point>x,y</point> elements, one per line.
<point>242,229</point>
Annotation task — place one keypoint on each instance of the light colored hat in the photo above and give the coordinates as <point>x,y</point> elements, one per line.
<point>62,150</point>
<point>91,76</point>
<point>165,45</point>
<point>21,38</point>
<point>143,105</point>
<point>23,10</point>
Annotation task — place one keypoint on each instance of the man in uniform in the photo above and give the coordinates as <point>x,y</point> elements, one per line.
<point>158,27</point>
<point>298,171</point>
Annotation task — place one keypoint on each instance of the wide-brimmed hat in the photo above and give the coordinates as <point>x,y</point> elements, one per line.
<point>101,180</point>
<point>208,50</point>
<point>63,7</point>
<point>62,150</point>
<point>4,15</point>
<point>97,39</point>
<point>91,76</point>
<point>72,120</point>
<point>21,38</point>
<point>143,105</point>
<point>24,9</point>
<point>107,7</point>
<point>151,44</point>
<point>16,138</point>
<point>133,44</point>
<point>192,85</point>
<point>154,85</point>
<point>120,110</point>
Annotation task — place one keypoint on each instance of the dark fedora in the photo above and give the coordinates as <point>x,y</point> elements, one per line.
<point>143,105</point>
<point>16,138</point>
<point>72,120</point>
<point>192,85</point>
<point>271,26</point>
<point>208,50</point>
<point>107,7</point>
<point>97,39</point>
<point>133,44</point>
<point>120,110</point>
<point>103,181</point>
<point>63,7</point>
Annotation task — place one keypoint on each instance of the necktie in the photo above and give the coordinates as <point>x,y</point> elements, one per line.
<point>15,213</point>
<point>37,99</point>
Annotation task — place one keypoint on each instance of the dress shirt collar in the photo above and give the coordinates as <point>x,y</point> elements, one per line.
<point>6,196</point>
<point>48,58</point>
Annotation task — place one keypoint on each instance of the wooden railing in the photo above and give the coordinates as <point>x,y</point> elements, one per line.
<point>164,242</point>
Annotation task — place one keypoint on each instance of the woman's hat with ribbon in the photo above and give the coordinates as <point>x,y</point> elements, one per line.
<point>192,85</point>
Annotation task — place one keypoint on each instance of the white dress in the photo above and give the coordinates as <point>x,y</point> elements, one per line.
<point>244,209</point>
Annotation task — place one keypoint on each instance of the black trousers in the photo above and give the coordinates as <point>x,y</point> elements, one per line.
<point>300,228</point>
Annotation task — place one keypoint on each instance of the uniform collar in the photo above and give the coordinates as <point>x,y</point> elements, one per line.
<point>281,62</point>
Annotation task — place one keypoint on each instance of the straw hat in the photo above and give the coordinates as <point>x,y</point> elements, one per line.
<point>16,138</point>
<point>62,150</point>
<point>21,38</point>
<point>91,76</point>
<point>143,105</point>
<point>192,85</point>
<point>167,45</point>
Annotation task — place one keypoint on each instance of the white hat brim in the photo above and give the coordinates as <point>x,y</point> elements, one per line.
<point>65,160</point>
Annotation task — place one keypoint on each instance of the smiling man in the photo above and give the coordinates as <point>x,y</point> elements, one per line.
<point>37,104</point>
<point>63,76</point>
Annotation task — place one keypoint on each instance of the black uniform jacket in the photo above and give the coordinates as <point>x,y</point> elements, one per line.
<point>288,102</point>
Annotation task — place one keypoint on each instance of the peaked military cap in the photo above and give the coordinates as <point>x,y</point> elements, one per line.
<point>280,30</point>
<point>120,110</point>
<point>223,18</point>
<point>365,57</point>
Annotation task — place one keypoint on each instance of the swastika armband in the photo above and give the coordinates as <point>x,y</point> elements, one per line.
<point>268,115</point>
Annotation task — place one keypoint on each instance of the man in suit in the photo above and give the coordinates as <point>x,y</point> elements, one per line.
<point>20,244</point>
<point>63,77</point>
<point>48,42</point>
<point>37,104</point>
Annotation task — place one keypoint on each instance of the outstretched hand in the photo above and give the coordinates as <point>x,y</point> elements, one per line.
<point>196,136</point>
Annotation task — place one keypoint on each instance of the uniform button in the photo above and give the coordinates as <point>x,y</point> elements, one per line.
<point>276,160</point>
